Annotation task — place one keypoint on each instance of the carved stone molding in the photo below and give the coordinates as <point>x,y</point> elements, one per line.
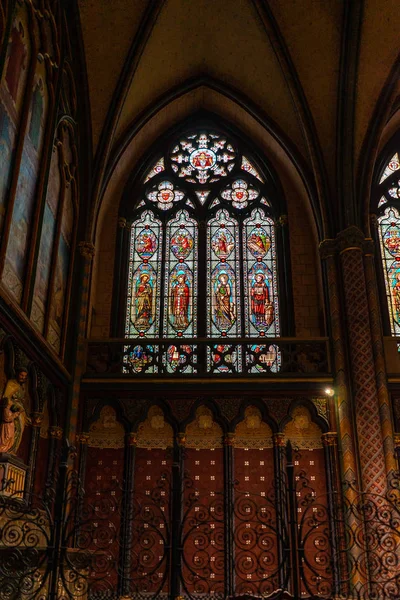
<point>36,419</point>
<point>327,248</point>
<point>132,439</point>
<point>181,439</point>
<point>56,432</point>
<point>283,220</point>
<point>86,249</point>
<point>279,439</point>
<point>82,438</point>
<point>329,438</point>
<point>321,404</point>
<point>229,439</point>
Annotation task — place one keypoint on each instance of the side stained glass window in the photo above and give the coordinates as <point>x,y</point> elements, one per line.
<point>203,262</point>
<point>389,236</point>
<point>388,213</point>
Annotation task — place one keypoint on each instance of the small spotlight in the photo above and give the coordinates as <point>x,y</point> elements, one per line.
<point>329,391</point>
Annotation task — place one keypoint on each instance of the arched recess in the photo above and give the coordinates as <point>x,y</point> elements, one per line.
<point>297,188</point>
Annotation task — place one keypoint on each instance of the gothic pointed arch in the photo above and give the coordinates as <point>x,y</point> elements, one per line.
<point>202,256</point>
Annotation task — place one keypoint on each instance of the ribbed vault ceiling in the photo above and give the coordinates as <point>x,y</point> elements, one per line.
<point>229,41</point>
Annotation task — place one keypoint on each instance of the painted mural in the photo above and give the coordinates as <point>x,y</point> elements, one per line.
<point>47,239</point>
<point>12,89</point>
<point>61,274</point>
<point>24,203</point>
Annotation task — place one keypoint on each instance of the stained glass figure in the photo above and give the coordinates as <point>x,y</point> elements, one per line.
<point>165,195</point>
<point>223,276</point>
<point>249,168</point>
<point>181,276</point>
<point>202,157</point>
<point>260,281</point>
<point>144,277</point>
<point>159,167</point>
<point>240,193</point>
<point>389,235</point>
<point>392,166</point>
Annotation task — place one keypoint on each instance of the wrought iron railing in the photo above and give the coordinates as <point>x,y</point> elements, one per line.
<point>70,544</point>
<point>204,357</point>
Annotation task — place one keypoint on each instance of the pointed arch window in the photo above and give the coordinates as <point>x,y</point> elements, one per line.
<point>203,261</point>
<point>388,213</point>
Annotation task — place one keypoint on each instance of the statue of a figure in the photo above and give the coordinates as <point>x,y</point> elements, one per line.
<point>13,415</point>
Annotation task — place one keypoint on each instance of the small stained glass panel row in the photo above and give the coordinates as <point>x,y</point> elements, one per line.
<point>183,358</point>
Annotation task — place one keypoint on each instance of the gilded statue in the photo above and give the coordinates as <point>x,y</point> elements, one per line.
<point>13,413</point>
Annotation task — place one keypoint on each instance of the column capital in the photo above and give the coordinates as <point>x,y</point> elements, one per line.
<point>283,220</point>
<point>36,419</point>
<point>132,438</point>
<point>122,222</point>
<point>279,439</point>
<point>229,439</point>
<point>82,438</point>
<point>181,439</point>
<point>329,438</point>
<point>56,432</point>
<point>397,440</point>
<point>86,249</point>
<point>351,238</point>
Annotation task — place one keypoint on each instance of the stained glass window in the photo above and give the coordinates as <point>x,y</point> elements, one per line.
<point>203,262</point>
<point>389,235</point>
<point>388,209</point>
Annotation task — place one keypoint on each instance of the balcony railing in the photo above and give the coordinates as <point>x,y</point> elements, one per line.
<point>203,357</point>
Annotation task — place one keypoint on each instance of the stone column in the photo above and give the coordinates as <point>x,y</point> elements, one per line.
<point>280,504</point>
<point>127,514</point>
<point>55,435</point>
<point>360,342</point>
<point>87,252</point>
<point>343,399</point>
<point>385,412</point>
<point>36,420</point>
